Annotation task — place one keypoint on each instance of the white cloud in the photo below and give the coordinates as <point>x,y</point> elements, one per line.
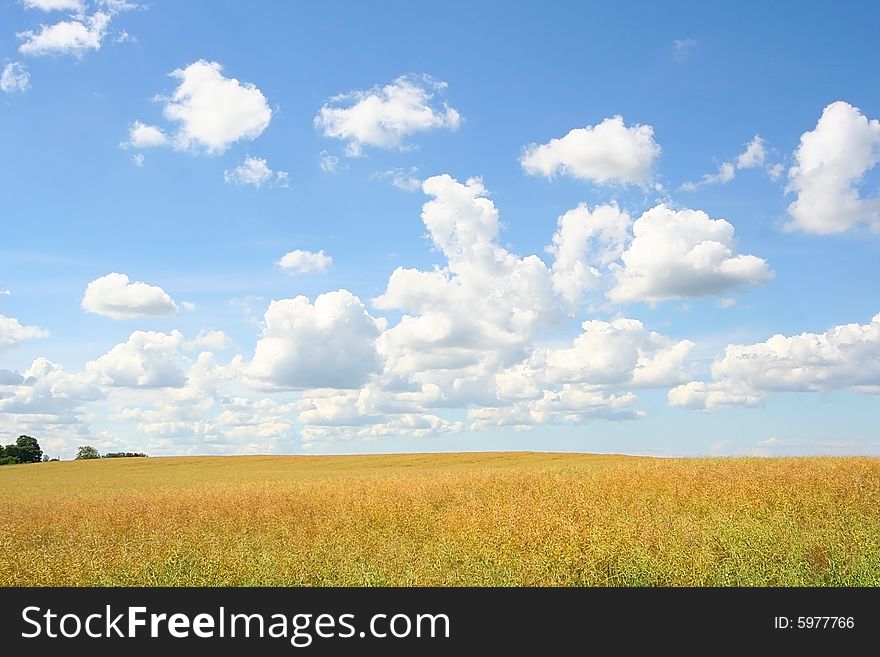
<point>681,48</point>
<point>74,37</point>
<point>331,415</point>
<point>830,162</point>
<point>302,262</point>
<point>328,163</point>
<point>336,372</point>
<point>115,296</point>
<point>141,135</point>
<point>138,160</point>
<point>844,357</point>
<point>118,6</point>
<point>406,180</point>
<point>255,171</point>
<point>213,111</point>
<point>608,152</point>
<point>202,414</point>
<point>726,173</point>
<point>55,5</point>
<point>330,343</point>
<point>506,297</point>
<point>148,359</point>
<point>683,253</point>
<point>484,359</point>
<point>208,341</point>
<point>572,404</point>
<point>584,245</point>
<point>616,353</point>
<point>698,395</point>
<point>12,332</point>
<point>383,117</point>
<point>754,156</point>
<point>14,78</point>
<point>406,425</point>
<point>46,395</point>
<point>148,387</point>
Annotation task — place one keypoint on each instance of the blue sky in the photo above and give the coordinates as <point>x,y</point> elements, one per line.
<point>235,227</point>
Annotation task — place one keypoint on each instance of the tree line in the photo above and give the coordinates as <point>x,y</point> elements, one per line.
<point>87,452</point>
<point>26,449</point>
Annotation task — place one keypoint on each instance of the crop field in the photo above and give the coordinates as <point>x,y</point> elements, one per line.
<point>441,519</point>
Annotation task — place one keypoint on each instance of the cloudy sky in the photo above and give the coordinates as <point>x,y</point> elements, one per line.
<point>249,227</point>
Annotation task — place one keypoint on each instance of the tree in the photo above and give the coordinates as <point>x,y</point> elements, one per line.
<point>86,452</point>
<point>9,455</point>
<point>28,449</point>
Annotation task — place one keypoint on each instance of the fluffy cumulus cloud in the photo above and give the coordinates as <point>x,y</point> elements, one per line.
<point>574,384</point>
<point>164,395</point>
<point>683,253</point>
<point>585,245</point>
<point>507,297</point>
<point>332,415</point>
<point>830,162</point>
<point>569,405</point>
<point>14,78</point>
<point>609,152</point>
<point>211,112</point>
<point>330,343</point>
<point>255,171</point>
<point>213,340</point>
<point>194,405</point>
<point>48,398</point>
<point>300,261</point>
<point>754,156</point>
<point>489,359</point>
<point>214,111</point>
<point>76,37</point>
<point>621,352</point>
<point>699,395</point>
<point>115,296</point>
<point>384,117</point>
<point>12,332</point>
<point>482,339</point>
<point>843,357</point>
<point>148,359</point>
<point>326,368</point>
<point>141,135</point>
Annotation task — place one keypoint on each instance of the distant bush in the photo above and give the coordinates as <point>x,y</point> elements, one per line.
<point>123,455</point>
<point>86,452</point>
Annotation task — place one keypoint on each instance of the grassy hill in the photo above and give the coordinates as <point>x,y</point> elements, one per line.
<point>441,519</point>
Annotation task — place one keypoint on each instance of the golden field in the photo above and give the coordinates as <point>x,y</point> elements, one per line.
<point>441,519</point>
